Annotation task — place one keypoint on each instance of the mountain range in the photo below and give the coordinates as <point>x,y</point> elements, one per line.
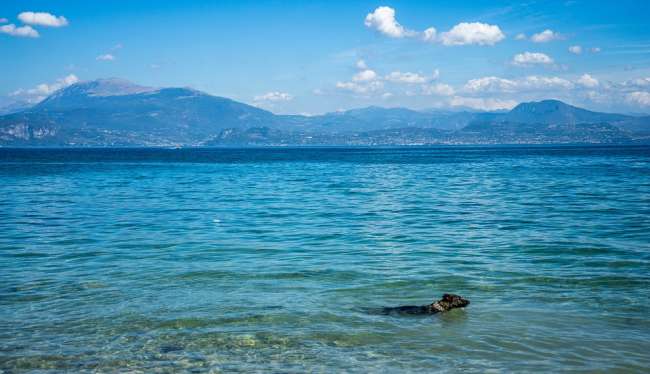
<point>115,112</point>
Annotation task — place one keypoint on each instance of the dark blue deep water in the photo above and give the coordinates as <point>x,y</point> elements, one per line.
<point>240,260</point>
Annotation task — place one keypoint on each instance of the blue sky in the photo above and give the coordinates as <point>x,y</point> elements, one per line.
<point>319,56</point>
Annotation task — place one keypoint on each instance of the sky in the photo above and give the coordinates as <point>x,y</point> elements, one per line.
<point>312,57</point>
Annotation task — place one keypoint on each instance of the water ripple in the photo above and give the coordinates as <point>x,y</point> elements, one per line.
<point>272,260</point>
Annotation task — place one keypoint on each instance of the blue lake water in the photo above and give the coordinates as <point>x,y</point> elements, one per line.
<point>241,260</point>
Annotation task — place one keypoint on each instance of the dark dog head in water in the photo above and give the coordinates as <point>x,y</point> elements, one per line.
<point>449,302</point>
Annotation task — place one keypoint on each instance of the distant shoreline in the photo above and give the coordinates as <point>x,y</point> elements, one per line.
<point>324,146</point>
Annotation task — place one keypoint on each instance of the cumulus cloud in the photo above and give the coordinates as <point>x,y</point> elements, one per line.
<point>41,91</point>
<point>42,19</point>
<point>520,36</point>
<point>537,82</point>
<point>575,49</point>
<point>487,104</point>
<point>595,50</point>
<point>410,78</point>
<point>105,57</point>
<point>23,31</point>
<point>588,81</point>
<point>638,98</point>
<point>360,88</point>
<point>545,36</point>
<point>466,33</point>
<point>531,58</point>
<point>534,82</point>
<point>501,85</point>
<point>383,20</point>
<point>490,84</point>
<point>365,81</point>
<point>3,20</point>
<point>365,76</point>
<point>438,89</point>
<point>274,96</point>
<point>430,35</point>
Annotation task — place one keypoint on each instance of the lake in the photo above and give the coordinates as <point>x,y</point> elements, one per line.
<point>272,259</point>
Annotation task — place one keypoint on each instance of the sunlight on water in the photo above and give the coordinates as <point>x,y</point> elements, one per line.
<point>269,260</point>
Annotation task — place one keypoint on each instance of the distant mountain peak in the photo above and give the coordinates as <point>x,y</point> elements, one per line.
<point>108,87</point>
<point>542,106</point>
<point>557,112</point>
<point>98,88</point>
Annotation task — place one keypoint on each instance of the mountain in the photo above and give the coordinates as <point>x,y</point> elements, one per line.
<point>371,118</point>
<point>555,111</point>
<point>115,112</point>
<point>378,118</point>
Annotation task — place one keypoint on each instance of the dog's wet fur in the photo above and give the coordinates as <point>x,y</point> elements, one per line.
<point>447,303</point>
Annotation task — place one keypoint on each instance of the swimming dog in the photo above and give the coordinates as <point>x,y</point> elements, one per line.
<point>447,303</point>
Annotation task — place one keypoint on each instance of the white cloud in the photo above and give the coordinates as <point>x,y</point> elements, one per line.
<point>23,31</point>
<point>430,35</point>
<point>410,78</point>
<point>383,20</point>
<point>386,95</point>
<point>274,96</point>
<point>545,36</point>
<point>106,57</point>
<point>365,76</point>
<point>366,81</point>
<point>466,33</point>
<point>575,49</point>
<point>520,36</point>
<point>490,84</point>
<point>438,89</point>
<point>595,50</point>
<point>640,98</point>
<point>588,81</point>
<point>360,88</point>
<point>531,82</point>
<point>487,104</point>
<point>534,82</point>
<point>41,91</point>
<point>639,82</point>
<point>42,19</point>
<point>531,58</point>
<point>3,20</point>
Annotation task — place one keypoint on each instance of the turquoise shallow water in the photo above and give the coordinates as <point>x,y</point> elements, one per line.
<point>266,259</point>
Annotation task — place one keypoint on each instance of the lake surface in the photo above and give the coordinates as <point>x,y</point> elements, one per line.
<point>271,260</point>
